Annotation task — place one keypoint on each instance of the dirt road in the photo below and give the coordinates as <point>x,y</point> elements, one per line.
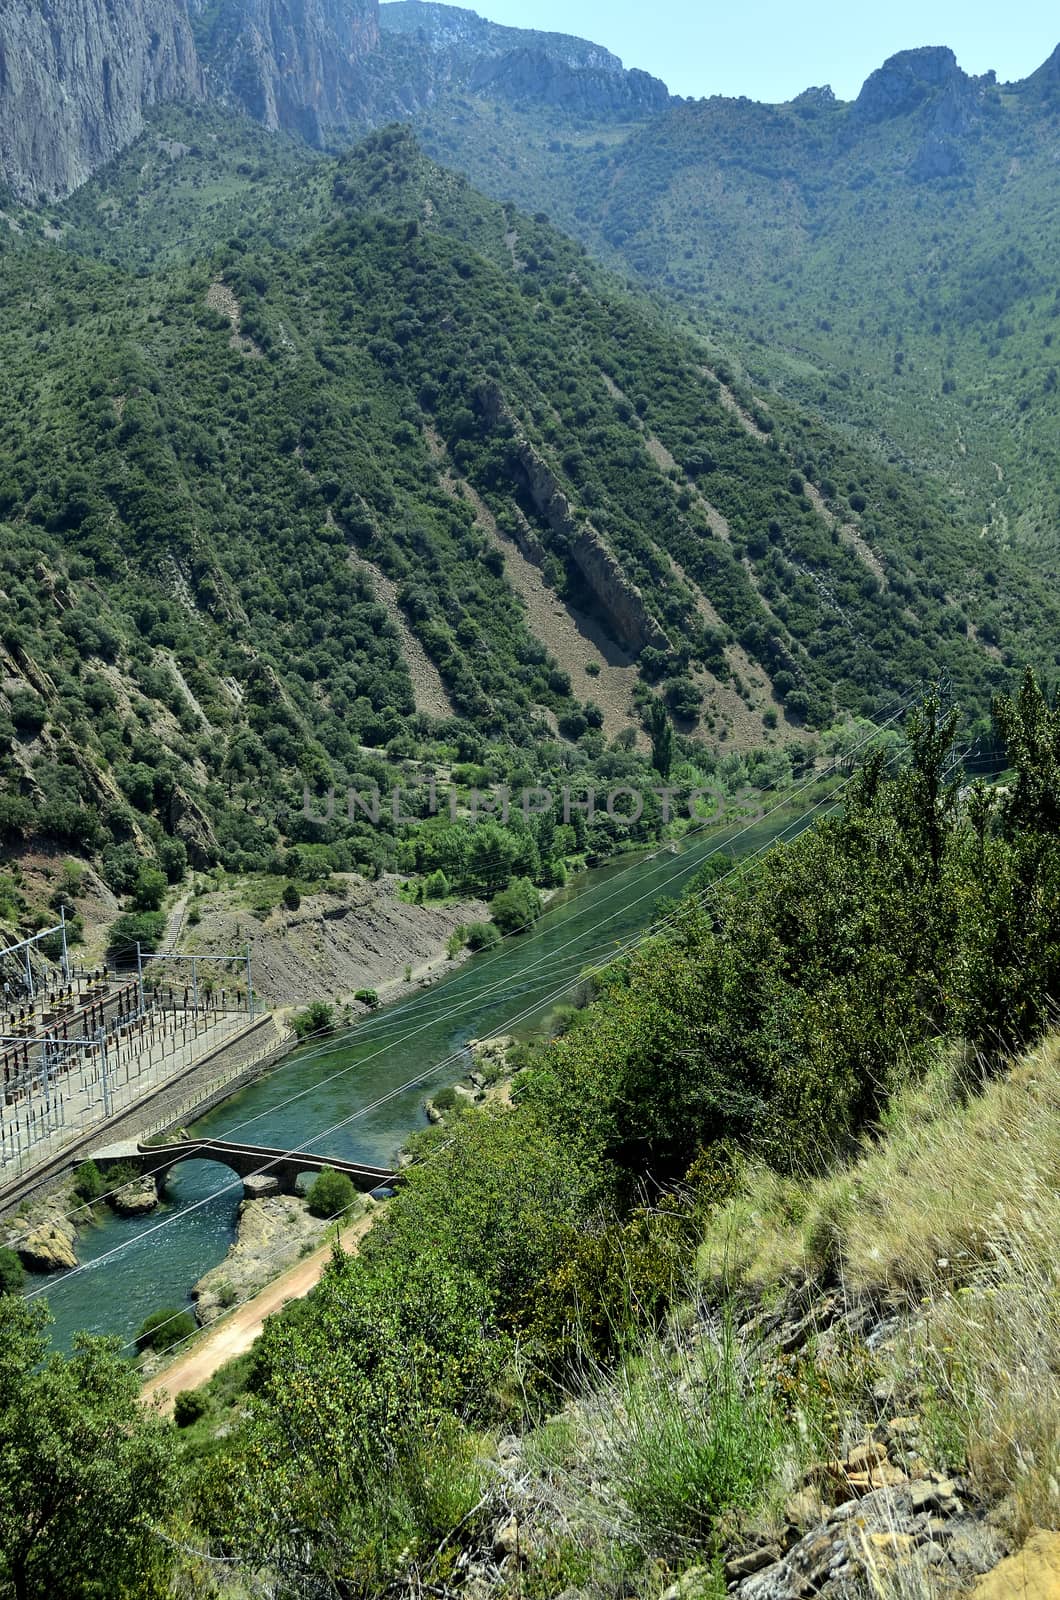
<point>234,1335</point>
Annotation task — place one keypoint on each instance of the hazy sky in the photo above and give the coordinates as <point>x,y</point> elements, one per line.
<point>771,49</point>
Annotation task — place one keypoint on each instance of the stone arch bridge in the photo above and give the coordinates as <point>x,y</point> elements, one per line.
<point>261,1168</point>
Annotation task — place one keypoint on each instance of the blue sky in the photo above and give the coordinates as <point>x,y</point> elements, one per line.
<point>771,49</point>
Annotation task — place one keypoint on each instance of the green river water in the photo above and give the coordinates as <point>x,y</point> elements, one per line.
<point>131,1267</point>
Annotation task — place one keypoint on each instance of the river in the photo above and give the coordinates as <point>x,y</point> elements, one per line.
<point>132,1267</point>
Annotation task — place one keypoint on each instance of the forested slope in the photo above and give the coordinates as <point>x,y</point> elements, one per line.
<point>245,487</point>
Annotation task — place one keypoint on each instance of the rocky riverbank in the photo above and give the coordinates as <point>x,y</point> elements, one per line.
<point>351,936</point>
<point>44,1231</point>
<point>272,1233</point>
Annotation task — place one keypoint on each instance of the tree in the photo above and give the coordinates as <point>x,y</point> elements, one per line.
<point>165,1328</point>
<point>661,733</point>
<point>517,907</point>
<point>150,888</point>
<point>145,928</point>
<point>12,1273</point>
<point>318,1017</point>
<point>85,1470</point>
<point>331,1194</point>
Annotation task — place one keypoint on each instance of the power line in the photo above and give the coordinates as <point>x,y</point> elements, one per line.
<point>410,1083</point>
<point>479,996</point>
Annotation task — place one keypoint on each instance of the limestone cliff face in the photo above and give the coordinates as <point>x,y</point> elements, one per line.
<point>293,64</point>
<point>454,46</point>
<point>75,79</point>
<point>621,601</point>
<point>536,74</point>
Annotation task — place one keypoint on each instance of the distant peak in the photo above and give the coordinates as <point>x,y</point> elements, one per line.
<point>818,95</point>
<point>905,80</point>
<point>1046,81</point>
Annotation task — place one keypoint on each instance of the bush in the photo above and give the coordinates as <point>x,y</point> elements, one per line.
<point>150,888</point>
<point>318,1017</point>
<point>188,1407</point>
<point>516,907</point>
<point>12,1272</point>
<point>88,1182</point>
<point>482,936</point>
<point>290,897</point>
<point>146,928</point>
<point>173,859</point>
<point>163,1329</point>
<point>367,997</point>
<point>331,1194</point>
<point>27,711</point>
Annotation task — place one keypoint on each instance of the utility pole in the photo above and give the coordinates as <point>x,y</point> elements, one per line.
<point>66,952</point>
<point>250,986</point>
<point>140,976</point>
<point>103,1071</point>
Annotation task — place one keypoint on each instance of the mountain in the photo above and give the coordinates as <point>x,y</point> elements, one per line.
<point>76,79</point>
<point>292,64</point>
<point>886,263</point>
<point>522,65</point>
<point>76,82</point>
<point>335,464</point>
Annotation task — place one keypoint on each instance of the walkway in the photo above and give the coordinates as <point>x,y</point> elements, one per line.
<point>246,1160</point>
<point>236,1333</point>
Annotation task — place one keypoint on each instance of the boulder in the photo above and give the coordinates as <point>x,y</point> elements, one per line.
<point>1034,1570</point>
<point>864,1456</point>
<point>48,1249</point>
<point>510,1540</point>
<point>135,1199</point>
<point>752,1561</point>
<point>804,1509</point>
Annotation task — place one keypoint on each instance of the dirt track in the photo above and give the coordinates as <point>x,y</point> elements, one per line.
<point>236,1333</point>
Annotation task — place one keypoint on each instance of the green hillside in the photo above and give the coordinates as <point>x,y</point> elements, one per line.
<point>311,465</point>
<point>886,264</point>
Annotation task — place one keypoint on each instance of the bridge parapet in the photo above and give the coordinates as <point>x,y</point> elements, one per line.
<point>249,1162</point>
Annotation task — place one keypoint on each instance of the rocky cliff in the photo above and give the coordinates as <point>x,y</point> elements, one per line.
<point>535,74</point>
<point>553,69</point>
<point>620,600</point>
<point>75,79</point>
<point>293,64</point>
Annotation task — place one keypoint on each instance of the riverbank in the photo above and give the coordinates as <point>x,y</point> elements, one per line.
<point>258,1264</point>
<point>351,935</point>
<point>235,1333</point>
<point>360,1096</point>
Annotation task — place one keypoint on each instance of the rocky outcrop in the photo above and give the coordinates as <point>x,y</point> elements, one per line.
<point>535,74</point>
<point>620,600</point>
<point>135,1199</point>
<point>1045,83</point>
<point>76,77</point>
<point>905,81</point>
<point>453,28</point>
<point>551,69</point>
<point>49,1248</point>
<point>271,1234</point>
<point>293,64</point>
<point>1034,1570</point>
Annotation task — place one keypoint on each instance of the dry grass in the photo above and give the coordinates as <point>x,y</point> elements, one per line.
<point>953,1216</point>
